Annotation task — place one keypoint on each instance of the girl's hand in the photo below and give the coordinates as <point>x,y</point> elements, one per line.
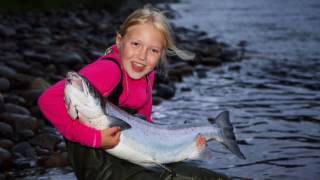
<point>110,137</point>
<point>201,142</point>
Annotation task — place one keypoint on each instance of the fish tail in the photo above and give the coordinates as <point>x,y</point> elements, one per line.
<point>227,134</point>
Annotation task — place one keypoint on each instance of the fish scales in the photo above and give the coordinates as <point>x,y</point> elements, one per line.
<point>141,142</point>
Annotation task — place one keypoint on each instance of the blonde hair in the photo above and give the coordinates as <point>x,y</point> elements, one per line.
<point>159,20</point>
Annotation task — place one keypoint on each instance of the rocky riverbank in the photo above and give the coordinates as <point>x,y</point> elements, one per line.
<point>37,49</point>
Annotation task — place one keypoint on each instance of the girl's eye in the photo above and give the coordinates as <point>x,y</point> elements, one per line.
<point>136,44</point>
<point>156,51</point>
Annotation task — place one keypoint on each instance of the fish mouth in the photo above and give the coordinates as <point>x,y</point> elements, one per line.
<point>72,77</point>
<point>75,80</point>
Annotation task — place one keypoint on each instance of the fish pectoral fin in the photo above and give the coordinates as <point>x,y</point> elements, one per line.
<point>116,122</point>
<point>158,165</point>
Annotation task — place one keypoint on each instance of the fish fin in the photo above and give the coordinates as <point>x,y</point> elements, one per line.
<point>227,135</point>
<point>119,123</point>
<point>164,167</point>
<point>205,154</point>
<point>154,166</point>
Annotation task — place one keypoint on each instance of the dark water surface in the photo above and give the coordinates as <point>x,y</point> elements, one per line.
<point>273,97</point>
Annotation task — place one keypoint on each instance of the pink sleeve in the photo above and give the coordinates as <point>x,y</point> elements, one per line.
<point>104,75</point>
<point>147,108</point>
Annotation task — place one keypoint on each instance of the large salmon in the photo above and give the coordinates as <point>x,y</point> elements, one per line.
<point>142,142</point>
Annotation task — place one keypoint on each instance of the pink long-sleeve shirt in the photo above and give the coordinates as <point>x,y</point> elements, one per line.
<point>104,75</point>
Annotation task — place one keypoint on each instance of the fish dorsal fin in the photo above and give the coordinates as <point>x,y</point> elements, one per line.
<point>116,122</point>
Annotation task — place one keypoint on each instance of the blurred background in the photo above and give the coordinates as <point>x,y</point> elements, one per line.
<point>259,60</point>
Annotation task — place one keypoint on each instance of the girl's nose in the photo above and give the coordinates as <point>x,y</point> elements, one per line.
<point>143,53</point>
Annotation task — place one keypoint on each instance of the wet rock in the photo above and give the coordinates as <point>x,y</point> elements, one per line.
<point>46,129</point>
<point>24,149</point>
<point>8,118</point>
<point>4,84</point>
<point>185,89</point>
<point>27,68</point>
<point>42,151</point>
<point>37,67</point>
<point>46,140</point>
<point>201,71</point>
<point>8,46</point>
<point>95,54</point>
<point>1,103</point>
<point>43,31</point>
<point>13,98</point>
<point>24,163</point>
<point>175,75</point>
<point>210,61</point>
<point>10,56</point>
<point>56,160</point>
<point>156,100</point>
<point>165,91</point>
<point>35,111</point>
<point>7,72</point>
<point>103,27</point>
<point>26,123</point>
<point>201,74</point>
<point>24,135</point>
<point>39,84</point>
<point>68,58</point>
<point>242,47</point>
<point>234,68</point>
<point>20,80</point>
<point>43,45</point>
<point>228,55</point>
<point>30,56</point>
<point>6,130</point>
<point>23,27</point>
<point>181,37</point>
<point>6,31</point>
<point>61,147</point>
<point>31,95</point>
<point>51,69</point>
<point>207,41</point>
<point>212,51</point>
<point>5,159</point>
<point>176,70</point>
<point>14,108</point>
<point>19,121</point>
<point>19,65</point>
<point>182,67</point>
<point>6,144</point>
<point>187,70</point>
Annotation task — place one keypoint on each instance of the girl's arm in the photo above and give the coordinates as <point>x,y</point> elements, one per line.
<point>102,74</point>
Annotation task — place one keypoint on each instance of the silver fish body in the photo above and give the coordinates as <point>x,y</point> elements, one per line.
<point>142,142</point>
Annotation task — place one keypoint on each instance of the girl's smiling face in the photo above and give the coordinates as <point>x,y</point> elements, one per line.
<point>140,49</point>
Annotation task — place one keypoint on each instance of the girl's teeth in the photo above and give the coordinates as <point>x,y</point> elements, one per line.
<point>137,67</point>
<point>140,65</point>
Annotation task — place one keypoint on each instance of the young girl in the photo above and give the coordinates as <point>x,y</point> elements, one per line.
<point>125,75</point>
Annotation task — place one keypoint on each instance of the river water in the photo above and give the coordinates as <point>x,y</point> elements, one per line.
<point>273,97</point>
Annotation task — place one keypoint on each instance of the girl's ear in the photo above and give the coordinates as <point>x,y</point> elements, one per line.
<point>118,40</point>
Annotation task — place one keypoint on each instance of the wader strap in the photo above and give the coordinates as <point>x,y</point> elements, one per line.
<point>115,95</point>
